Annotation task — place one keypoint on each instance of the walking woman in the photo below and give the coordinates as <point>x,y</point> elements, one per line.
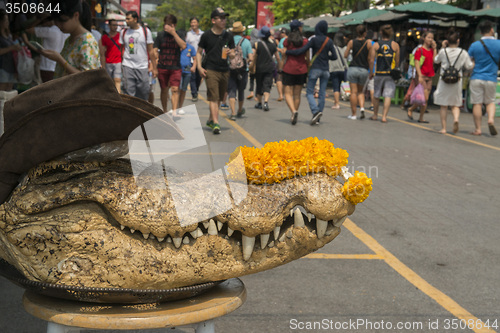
<point>323,51</point>
<point>450,94</point>
<point>264,51</point>
<point>7,47</point>
<point>80,51</point>
<point>338,68</point>
<point>425,72</point>
<point>295,69</point>
<point>357,74</point>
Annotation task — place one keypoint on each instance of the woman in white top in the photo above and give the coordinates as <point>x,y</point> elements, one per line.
<point>450,94</point>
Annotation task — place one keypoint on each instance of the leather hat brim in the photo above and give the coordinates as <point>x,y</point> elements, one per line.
<point>64,127</point>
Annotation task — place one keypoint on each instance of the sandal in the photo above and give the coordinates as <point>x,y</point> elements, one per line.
<point>493,130</point>
<point>294,117</point>
<point>455,127</point>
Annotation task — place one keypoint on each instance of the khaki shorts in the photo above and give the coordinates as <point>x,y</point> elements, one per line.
<point>482,92</point>
<point>216,85</point>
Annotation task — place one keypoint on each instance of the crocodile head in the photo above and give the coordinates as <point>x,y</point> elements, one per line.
<point>90,224</point>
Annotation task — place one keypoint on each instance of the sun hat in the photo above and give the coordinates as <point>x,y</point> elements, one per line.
<point>238,27</point>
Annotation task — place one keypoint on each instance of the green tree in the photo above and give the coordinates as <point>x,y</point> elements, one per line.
<point>239,10</point>
<point>286,10</point>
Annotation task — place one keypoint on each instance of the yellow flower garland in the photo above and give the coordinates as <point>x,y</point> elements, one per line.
<point>357,188</point>
<point>277,161</point>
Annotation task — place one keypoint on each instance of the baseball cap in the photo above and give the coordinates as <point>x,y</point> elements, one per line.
<point>295,24</point>
<point>264,32</point>
<point>218,12</point>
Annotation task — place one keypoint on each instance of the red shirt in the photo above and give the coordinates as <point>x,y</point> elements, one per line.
<point>427,68</point>
<point>113,53</point>
<point>295,64</point>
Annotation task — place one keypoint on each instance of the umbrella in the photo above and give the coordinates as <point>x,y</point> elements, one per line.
<point>115,16</point>
<point>388,16</point>
<point>426,9</point>
<point>487,12</point>
<point>360,16</point>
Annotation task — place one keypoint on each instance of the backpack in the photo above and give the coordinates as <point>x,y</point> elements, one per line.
<point>451,74</point>
<point>238,63</point>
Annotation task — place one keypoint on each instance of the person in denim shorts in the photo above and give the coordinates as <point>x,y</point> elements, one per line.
<point>357,74</point>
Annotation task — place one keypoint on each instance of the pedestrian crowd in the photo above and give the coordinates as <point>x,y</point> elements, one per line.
<point>226,60</point>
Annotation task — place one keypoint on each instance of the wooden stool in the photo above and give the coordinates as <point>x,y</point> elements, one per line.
<point>196,312</point>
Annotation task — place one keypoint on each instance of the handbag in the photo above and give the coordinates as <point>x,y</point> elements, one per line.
<point>412,58</point>
<point>342,61</point>
<point>253,64</point>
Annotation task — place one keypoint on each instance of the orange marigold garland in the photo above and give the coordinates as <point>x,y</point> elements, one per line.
<point>277,161</point>
<point>357,188</point>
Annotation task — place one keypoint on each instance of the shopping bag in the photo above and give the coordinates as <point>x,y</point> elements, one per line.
<point>25,66</point>
<point>418,96</point>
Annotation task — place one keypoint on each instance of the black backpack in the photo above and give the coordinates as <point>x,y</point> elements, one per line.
<point>451,74</point>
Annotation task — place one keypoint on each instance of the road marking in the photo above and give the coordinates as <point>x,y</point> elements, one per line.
<point>429,129</point>
<point>381,253</point>
<point>442,299</point>
<point>344,256</point>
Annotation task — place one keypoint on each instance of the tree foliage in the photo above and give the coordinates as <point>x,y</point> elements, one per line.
<point>239,10</point>
<point>286,10</point>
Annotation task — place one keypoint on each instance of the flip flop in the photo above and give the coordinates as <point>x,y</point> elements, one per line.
<point>476,133</point>
<point>409,116</point>
<point>493,130</point>
<point>455,127</point>
<point>375,119</point>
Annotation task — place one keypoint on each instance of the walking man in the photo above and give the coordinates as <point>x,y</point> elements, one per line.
<point>111,53</point>
<point>138,43</point>
<point>169,46</point>
<point>218,45</point>
<point>193,38</point>
<point>386,52</point>
<point>483,82</point>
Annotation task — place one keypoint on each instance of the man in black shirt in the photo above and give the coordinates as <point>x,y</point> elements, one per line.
<point>218,45</point>
<point>169,46</point>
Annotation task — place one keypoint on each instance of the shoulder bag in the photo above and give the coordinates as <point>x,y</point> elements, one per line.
<point>318,53</point>
<point>488,51</point>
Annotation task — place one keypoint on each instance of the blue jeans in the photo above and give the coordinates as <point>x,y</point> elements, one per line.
<point>314,75</point>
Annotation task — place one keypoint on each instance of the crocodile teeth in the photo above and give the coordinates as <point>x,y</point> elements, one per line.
<point>122,227</point>
<point>132,230</point>
<point>271,244</point>
<point>177,241</point>
<point>151,236</point>
<point>310,216</point>
<point>289,233</point>
<point>169,239</point>
<point>248,244</point>
<point>276,232</point>
<point>264,238</point>
<point>196,233</point>
<point>340,222</point>
<point>185,240</point>
<point>212,228</point>
<point>205,224</point>
<point>161,239</point>
<point>219,225</point>
<point>321,227</point>
<point>298,219</point>
<point>282,238</point>
<point>146,236</point>
<point>229,231</point>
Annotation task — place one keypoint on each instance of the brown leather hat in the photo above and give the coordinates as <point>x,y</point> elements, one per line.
<point>67,114</point>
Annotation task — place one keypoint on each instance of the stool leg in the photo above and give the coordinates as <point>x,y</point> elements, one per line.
<point>58,328</point>
<point>205,327</point>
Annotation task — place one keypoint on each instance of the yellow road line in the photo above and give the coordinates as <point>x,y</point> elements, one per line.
<point>430,130</point>
<point>240,129</point>
<point>343,256</point>
<point>445,301</point>
<point>442,299</point>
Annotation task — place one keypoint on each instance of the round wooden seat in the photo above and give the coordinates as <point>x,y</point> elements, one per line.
<point>218,301</point>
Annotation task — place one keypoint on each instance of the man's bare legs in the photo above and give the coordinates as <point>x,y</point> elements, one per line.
<point>477,112</point>
<point>118,83</point>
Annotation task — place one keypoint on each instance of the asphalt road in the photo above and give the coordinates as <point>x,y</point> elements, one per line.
<point>421,254</point>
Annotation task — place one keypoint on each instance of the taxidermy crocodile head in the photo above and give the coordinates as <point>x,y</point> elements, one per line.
<point>90,224</point>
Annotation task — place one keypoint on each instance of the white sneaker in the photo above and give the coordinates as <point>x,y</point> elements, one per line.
<point>181,112</point>
<point>351,117</point>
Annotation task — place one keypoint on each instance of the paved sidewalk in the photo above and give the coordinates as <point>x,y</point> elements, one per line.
<point>434,208</point>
